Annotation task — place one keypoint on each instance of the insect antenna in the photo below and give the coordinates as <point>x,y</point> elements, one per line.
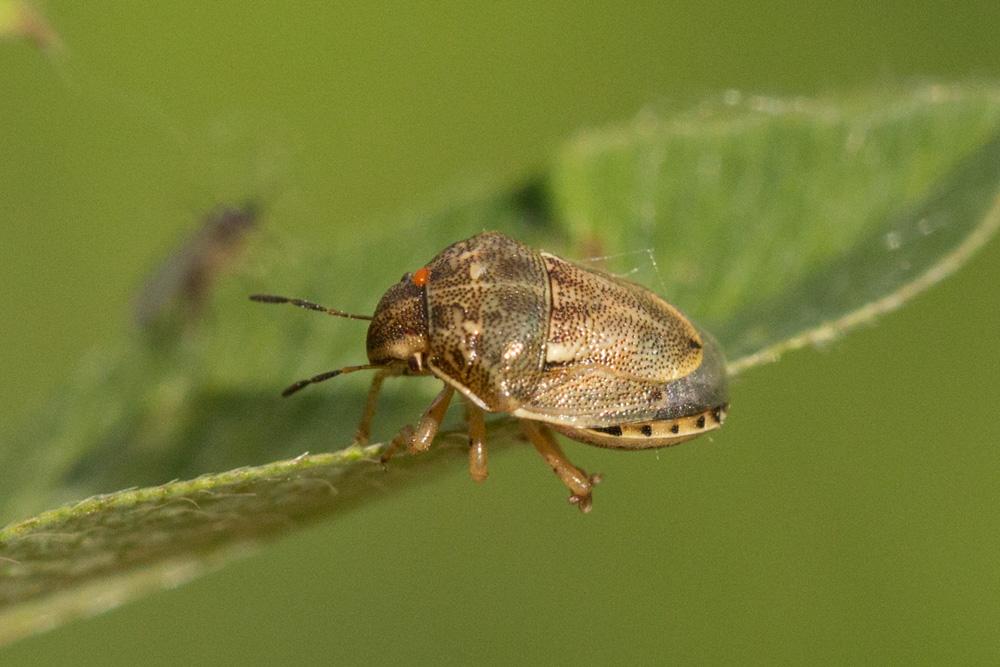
<point>308,305</point>
<point>301,384</point>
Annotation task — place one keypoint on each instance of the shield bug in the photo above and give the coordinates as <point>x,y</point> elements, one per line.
<point>554,344</point>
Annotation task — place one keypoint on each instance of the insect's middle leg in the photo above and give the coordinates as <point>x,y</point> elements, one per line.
<point>478,469</point>
<point>579,483</point>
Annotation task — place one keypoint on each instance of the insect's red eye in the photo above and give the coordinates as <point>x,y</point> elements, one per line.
<point>420,276</point>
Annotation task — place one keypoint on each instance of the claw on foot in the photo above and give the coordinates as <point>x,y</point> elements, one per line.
<point>584,501</point>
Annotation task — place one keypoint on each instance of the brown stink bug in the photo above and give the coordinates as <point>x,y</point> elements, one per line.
<point>518,331</point>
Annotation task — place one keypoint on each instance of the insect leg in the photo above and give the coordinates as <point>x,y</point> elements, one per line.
<point>576,480</point>
<point>365,425</point>
<point>477,442</point>
<point>404,436</point>
<point>429,423</point>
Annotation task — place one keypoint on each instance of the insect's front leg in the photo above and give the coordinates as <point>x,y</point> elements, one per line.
<point>365,425</point>
<point>419,440</point>
<point>579,483</point>
<point>431,421</point>
<point>402,438</point>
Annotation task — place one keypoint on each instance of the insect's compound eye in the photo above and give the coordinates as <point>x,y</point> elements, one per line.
<point>406,277</point>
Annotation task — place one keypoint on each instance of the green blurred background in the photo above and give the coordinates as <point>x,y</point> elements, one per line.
<point>849,511</point>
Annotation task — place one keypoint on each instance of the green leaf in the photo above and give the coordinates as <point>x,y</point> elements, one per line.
<point>775,223</point>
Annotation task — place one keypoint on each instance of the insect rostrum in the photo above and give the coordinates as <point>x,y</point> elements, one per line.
<point>559,346</point>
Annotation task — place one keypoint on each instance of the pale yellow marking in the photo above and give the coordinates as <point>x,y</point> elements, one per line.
<point>460,322</point>
<point>686,426</point>
<point>558,353</point>
<point>513,349</point>
<point>403,348</point>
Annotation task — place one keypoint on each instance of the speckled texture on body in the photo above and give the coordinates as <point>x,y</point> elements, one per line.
<point>487,314</point>
<point>525,332</point>
<point>619,353</point>
<point>597,320</point>
<point>399,326</point>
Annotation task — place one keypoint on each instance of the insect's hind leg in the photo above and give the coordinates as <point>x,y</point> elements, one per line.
<point>579,483</point>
